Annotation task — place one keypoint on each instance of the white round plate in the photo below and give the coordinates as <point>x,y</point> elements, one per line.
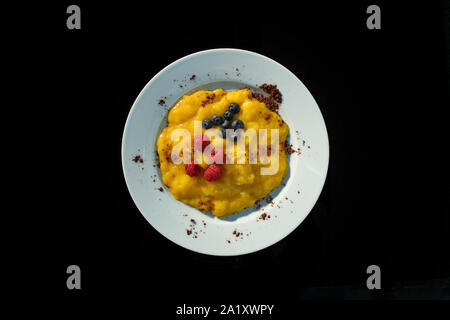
<point>292,201</point>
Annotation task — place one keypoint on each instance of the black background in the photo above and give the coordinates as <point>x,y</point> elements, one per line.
<point>384,97</point>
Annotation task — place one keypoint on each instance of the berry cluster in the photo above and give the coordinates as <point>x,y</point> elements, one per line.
<point>226,122</point>
<point>213,172</point>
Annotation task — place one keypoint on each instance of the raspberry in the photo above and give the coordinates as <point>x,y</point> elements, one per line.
<point>217,156</point>
<point>192,169</point>
<point>203,139</point>
<point>212,173</point>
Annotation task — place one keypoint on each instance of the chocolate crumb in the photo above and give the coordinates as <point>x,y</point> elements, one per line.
<point>137,159</point>
<point>192,77</point>
<point>263,216</point>
<point>193,221</point>
<point>161,189</point>
<point>289,149</point>
<point>209,99</point>
<point>273,100</point>
<point>161,102</point>
<point>188,232</point>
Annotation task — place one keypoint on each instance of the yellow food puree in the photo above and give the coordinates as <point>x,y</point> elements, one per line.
<point>240,185</point>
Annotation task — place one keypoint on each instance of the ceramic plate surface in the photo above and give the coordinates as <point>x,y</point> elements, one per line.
<point>229,69</point>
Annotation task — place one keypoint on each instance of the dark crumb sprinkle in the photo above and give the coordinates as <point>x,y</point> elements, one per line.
<point>263,216</point>
<point>228,241</point>
<point>273,100</point>
<point>161,189</point>
<point>272,90</point>
<point>180,85</point>
<point>137,159</point>
<point>238,234</point>
<point>234,232</point>
<point>268,199</point>
<point>204,223</point>
<point>309,147</point>
<point>188,232</point>
<point>193,221</point>
<point>289,149</point>
<point>192,77</point>
<point>209,99</point>
<point>298,192</point>
<point>185,215</point>
<point>161,102</point>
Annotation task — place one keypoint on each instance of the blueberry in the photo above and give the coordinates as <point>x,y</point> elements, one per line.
<point>207,123</point>
<point>236,135</point>
<point>237,124</point>
<point>226,124</point>
<point>234,107</point>
<point>217,120</point>
<point>223,133</point>
<point>228,115</point>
